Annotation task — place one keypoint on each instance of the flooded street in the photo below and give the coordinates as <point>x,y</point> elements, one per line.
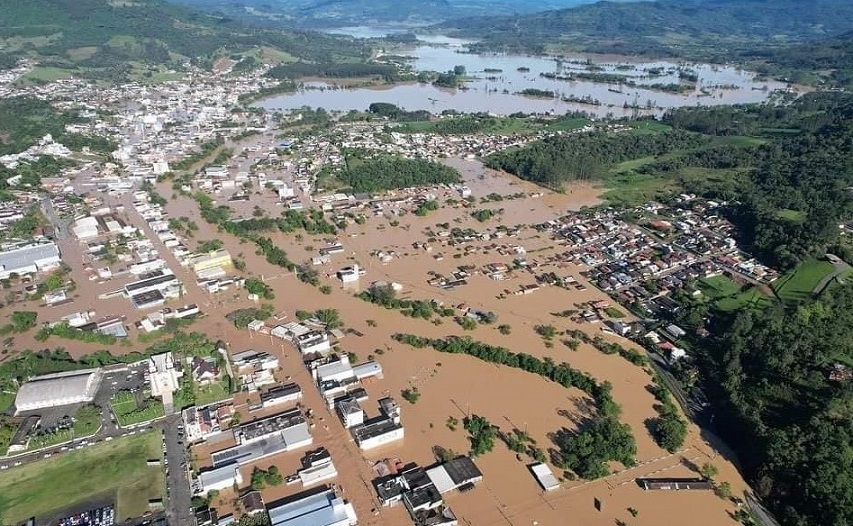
<point>456,386</point>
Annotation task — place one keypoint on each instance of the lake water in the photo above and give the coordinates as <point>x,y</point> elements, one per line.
<point>496,81</point>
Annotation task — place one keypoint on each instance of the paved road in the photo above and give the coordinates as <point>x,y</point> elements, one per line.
<point>178,492</point>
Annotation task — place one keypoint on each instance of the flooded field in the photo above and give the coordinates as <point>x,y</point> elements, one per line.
<point>600,85</point>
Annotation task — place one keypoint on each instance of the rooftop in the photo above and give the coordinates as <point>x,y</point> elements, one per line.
<point>374,429</point>
<point>59,388</point>
<point>27,255</point>
<point>319,509</point>
<point>284,440</point>
<point>270,424</point>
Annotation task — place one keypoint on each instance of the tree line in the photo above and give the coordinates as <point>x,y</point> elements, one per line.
<point>558,160</point>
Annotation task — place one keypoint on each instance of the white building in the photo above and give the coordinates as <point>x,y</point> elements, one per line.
<point>223,477</point>
<point>337,371</point>
<point>52,390</point>
<point>350,412</point>
<point>85,228</point>
<point>350,274</point>
<point>545,477</point>
<point>163,377</point>
<point>29,259</point>
<point>319,509</point>
<point>313,342</point>
<point>378,433</point>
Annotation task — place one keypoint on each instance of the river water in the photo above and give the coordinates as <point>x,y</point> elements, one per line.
<point>497,80</point>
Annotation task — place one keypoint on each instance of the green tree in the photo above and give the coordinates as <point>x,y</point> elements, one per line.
<point>331,318</point>
<point>708,471</point>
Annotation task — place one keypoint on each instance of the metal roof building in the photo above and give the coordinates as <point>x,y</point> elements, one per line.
<point>28,259</point>
<point>72,387</point>
<point>321,509</point>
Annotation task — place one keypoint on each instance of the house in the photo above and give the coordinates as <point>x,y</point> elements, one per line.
<point>317,467</point>
<point>313,342</point>
<point>281,394</point>
<point>206,517</point>
<point>454,474</point>
<point>350,274</point>
<point>205,370</point>
<point>544,476</point>
<point>219,478</point>
<point>350,412</point>
<point>675,331</point>
<point>840,373</point>
<point>253,503</point>
<point>378,432</point>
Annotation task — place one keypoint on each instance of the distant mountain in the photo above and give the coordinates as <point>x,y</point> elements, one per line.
<point>688,28</point>
<point>341,13</point>
<point>99,35</point>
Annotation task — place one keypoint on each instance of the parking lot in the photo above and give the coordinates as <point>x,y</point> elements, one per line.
<point>114,380</point>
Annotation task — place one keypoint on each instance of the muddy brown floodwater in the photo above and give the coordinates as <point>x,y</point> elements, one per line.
<point>455,385</point>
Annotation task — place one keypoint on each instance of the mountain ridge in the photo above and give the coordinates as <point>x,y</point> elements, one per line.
<point>324,14</point>
<point>663,27</point>
<point>102,37</point>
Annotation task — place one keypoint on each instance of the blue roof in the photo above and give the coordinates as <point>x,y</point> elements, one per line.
<point>321,509</point>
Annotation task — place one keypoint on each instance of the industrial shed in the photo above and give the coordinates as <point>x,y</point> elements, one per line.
<point>51,390</point>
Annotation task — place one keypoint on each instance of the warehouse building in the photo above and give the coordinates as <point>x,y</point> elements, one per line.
<point>29,259</point>
<point>52,390</point>
<point>324,508</point>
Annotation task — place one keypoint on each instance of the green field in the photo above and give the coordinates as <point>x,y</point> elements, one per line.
<point>649,126</point>
<point>794,216</point>
<point>114,469</point>
<point>6,400</point>
<point>7,432</point>
<point>798,284</point>
<point>207,394</point>
<point>568,124</point>
<point>631,189</point>
<point>128,412</point>
<point>728,296</point>
<point>45,74</point>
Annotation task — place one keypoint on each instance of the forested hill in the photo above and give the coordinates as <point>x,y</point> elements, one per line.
<point>686,28</point>
<point>342,13</point>
<point>812,62</point>
<point>102,33</point>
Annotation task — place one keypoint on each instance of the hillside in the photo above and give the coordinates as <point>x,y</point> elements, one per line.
<point>711,30</point>
<point>101,37</point>
<point>342,13</point>
<point>829,61</point>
